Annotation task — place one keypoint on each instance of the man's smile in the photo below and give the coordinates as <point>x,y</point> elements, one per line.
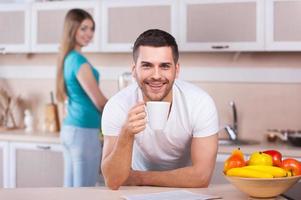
<point>155,86</point>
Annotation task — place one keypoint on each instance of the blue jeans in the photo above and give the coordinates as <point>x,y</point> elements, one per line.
<point>82,151</point>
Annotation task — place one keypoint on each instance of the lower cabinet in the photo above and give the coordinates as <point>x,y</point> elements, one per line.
<point>35,165</point>
<point>4,161</point>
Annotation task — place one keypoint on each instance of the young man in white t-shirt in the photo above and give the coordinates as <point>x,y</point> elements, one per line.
<point>184,153</point>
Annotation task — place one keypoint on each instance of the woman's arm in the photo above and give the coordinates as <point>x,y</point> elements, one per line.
<point>89,84</point>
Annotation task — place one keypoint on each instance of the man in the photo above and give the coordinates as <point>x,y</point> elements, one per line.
<point>184,154</point>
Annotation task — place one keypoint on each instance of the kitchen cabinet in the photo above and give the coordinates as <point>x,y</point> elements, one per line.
<point>14,28</point>
<point>197,25</point>
<point>4,164</point>
<point>283,30</point>
<point>123,21</point>
<point>36,165</point>
<point>221,25</point>
<point>48,20</point>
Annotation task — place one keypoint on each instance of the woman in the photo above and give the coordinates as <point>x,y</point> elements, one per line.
<point>77,82</point>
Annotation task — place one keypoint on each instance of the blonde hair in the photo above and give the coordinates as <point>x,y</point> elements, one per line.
<point>73,20</point>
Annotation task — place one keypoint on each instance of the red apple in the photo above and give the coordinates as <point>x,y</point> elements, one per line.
<point>293,165</point>
<point>276,156</point>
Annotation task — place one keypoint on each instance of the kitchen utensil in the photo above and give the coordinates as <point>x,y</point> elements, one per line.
<point>263,187</point>
<point>7,104</point>
<point>51,116</point>
<point>294,137</point>
<point>28,121</point>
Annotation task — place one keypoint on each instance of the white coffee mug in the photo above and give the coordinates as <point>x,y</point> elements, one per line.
<point>157,114</point>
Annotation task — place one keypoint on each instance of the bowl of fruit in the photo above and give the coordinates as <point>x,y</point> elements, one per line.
<point>264,174</point>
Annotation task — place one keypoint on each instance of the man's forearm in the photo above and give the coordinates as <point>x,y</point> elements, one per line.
<point>182,177</point>
<point>117,165</point>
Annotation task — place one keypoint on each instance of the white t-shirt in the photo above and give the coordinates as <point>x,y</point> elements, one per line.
<point>193,114</point>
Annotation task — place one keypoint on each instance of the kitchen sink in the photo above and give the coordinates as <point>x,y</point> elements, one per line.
<point>237,142</point>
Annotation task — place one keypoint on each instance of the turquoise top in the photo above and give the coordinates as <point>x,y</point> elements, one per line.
<point>81,111</point>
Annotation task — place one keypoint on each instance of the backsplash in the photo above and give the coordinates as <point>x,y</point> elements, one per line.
<point>260,106</point>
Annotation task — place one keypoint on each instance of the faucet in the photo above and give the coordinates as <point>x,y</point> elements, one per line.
<point>231,130</point>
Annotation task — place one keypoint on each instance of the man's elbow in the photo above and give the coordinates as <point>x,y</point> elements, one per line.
<point>205,184</point>
<point>113,184</point>
<point>113,180</point>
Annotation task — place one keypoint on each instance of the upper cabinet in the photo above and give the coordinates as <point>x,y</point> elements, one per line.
<point>123,21</point>
<point>48,21</point>
<point>283,30</point>
<point>14,28</point>
<point>197,25</point>
<point>221,25</point>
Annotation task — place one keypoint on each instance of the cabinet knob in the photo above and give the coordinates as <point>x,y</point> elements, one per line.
<point>43,147</point>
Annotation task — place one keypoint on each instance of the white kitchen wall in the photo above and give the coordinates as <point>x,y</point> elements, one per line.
<point>269,103</point>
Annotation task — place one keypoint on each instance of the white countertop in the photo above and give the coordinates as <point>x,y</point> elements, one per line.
<point>227,192</point>
<point>19,135</point>
<point>38,136</point>
<point>286,150</point>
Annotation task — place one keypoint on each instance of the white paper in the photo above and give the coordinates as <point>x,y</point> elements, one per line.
<point>172,195</point>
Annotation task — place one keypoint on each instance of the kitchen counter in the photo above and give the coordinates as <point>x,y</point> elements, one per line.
<point>227,192</point>
<point>286,150</point>
<point>20,135</point>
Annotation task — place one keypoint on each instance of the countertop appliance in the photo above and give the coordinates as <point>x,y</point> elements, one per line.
<point>291,136</point>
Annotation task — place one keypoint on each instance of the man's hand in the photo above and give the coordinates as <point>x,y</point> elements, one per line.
<point>136,120</point>
<point>117,150</point>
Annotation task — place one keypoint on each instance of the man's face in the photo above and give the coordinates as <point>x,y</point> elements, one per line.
<point>155,72</point>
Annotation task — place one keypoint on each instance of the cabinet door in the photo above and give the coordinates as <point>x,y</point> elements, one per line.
<point>123,21</point>
<point>36,165</point>
<point>221,25</point>
<point>14,28</point>
<point>48,21</point>
<point>283,30</point>
<point>4,182</point>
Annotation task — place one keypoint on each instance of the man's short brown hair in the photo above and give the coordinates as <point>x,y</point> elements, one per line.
<point>156,38</point>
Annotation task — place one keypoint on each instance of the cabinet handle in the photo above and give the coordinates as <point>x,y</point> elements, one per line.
<point>220,47</point>
<point>43,147</point>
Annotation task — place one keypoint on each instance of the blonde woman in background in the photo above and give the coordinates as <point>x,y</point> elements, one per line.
<point>77,82</point>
